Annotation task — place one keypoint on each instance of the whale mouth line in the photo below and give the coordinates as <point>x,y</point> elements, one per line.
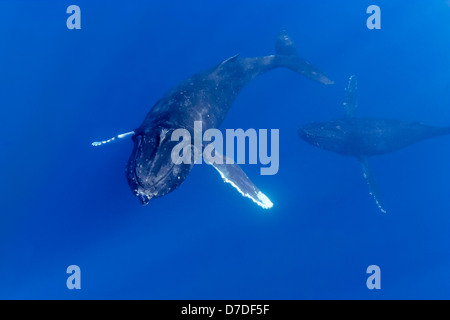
<point>155,185</point>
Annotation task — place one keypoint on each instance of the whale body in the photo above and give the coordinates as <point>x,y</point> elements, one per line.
<point>365,137</point>
<point>206,96</point>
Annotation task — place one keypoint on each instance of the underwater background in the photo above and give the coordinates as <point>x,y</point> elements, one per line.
<point>64,202</point>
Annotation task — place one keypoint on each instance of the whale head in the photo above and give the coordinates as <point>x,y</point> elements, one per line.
<point>151,173</point>
<point>336,136</point>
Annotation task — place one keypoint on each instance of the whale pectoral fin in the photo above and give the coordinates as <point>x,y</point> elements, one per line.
<point>119,136</point>
<point>372,183</point>
<point>351,98</point>
<point>233,174</point>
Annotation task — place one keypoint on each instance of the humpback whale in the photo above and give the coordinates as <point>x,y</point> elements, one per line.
<point>365,137</point>
<point>206,96</point>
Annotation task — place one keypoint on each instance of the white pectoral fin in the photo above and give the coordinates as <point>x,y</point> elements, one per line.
<point>351,97</point>
<point>119,136</point>
<point>372,184</point>
<point>231,173</point>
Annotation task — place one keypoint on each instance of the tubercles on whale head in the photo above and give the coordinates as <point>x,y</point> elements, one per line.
<point>150,171</point>
<point>145,199</point>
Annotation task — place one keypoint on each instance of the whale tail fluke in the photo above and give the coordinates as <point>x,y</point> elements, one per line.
<point>287,56</point>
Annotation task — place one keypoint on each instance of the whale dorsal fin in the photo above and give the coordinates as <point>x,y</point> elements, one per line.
<point>233,174</point>
<point>230,59</point>
<point>351,99</point>
<point>372,183</point>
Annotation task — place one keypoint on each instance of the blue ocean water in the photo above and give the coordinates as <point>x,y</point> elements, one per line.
<point>64,202</point>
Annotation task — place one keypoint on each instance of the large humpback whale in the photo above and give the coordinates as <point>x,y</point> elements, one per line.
<point>365,137</point>
<point>206,97</point>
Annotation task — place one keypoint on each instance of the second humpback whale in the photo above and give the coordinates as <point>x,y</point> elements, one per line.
<point>365,137</point>
<point>206,97</point>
